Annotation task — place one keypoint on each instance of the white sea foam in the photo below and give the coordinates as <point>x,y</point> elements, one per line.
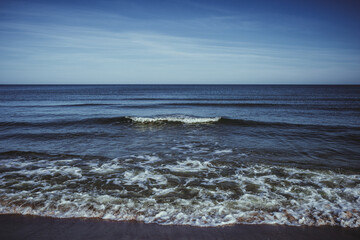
<point>150,158</point>
<point>223,151</point>
<point>190,166</point>
<point>180,119</point>
<point>187,192</point>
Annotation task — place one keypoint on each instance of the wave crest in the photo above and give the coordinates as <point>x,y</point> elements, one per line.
<point>182,119</point>
<point>175,119</point>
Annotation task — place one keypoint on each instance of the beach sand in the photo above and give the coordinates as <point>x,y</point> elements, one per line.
<point>33,227</point>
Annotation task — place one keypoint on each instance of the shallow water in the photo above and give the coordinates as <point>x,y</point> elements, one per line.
<point>192,155</point>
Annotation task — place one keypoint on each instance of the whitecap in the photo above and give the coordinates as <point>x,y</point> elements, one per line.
<point>180,119</point>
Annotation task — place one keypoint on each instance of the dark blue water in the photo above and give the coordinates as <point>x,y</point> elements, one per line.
<point>182,154</point>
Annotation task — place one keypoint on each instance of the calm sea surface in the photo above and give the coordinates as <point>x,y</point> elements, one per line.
<point>204,155</point>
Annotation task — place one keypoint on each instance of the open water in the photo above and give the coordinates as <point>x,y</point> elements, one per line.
<point>203,155</point>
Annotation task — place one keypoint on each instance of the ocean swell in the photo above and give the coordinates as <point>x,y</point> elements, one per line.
<point>171,119</point>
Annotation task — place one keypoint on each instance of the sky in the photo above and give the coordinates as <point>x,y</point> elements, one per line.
<point>180,42</point>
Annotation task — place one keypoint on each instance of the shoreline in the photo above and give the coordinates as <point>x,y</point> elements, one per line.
<point>15,226</point>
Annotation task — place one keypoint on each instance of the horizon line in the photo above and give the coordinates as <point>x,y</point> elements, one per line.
<point>180,84</point>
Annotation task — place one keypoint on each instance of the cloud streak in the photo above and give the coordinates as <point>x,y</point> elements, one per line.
<point>107,50</point>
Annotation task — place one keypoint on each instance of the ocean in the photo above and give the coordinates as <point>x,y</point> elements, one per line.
<point>200,155</point>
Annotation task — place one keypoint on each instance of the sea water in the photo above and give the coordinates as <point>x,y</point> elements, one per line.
<point>202,155</point>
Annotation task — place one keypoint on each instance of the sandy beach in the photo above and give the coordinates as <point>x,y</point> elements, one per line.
<point>32,227</point>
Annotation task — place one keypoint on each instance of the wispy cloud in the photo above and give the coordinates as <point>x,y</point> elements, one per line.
<point>108,48</point>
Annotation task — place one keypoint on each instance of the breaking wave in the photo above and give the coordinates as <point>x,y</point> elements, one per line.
<point>175,119</point>
<point>209,192</point>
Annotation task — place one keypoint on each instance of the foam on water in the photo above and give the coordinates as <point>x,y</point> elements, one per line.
<point>178,119</point>
<point>223,151</point>
<point>184,191</point>
<point>190,166</point>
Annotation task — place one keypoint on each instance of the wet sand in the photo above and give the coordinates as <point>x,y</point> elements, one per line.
<point>31,227</point>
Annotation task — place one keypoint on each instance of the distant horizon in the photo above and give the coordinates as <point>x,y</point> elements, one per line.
<point>179,84</point>
<point>179,42</point>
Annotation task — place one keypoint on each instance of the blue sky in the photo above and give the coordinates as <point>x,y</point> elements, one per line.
<point>180,42</point>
